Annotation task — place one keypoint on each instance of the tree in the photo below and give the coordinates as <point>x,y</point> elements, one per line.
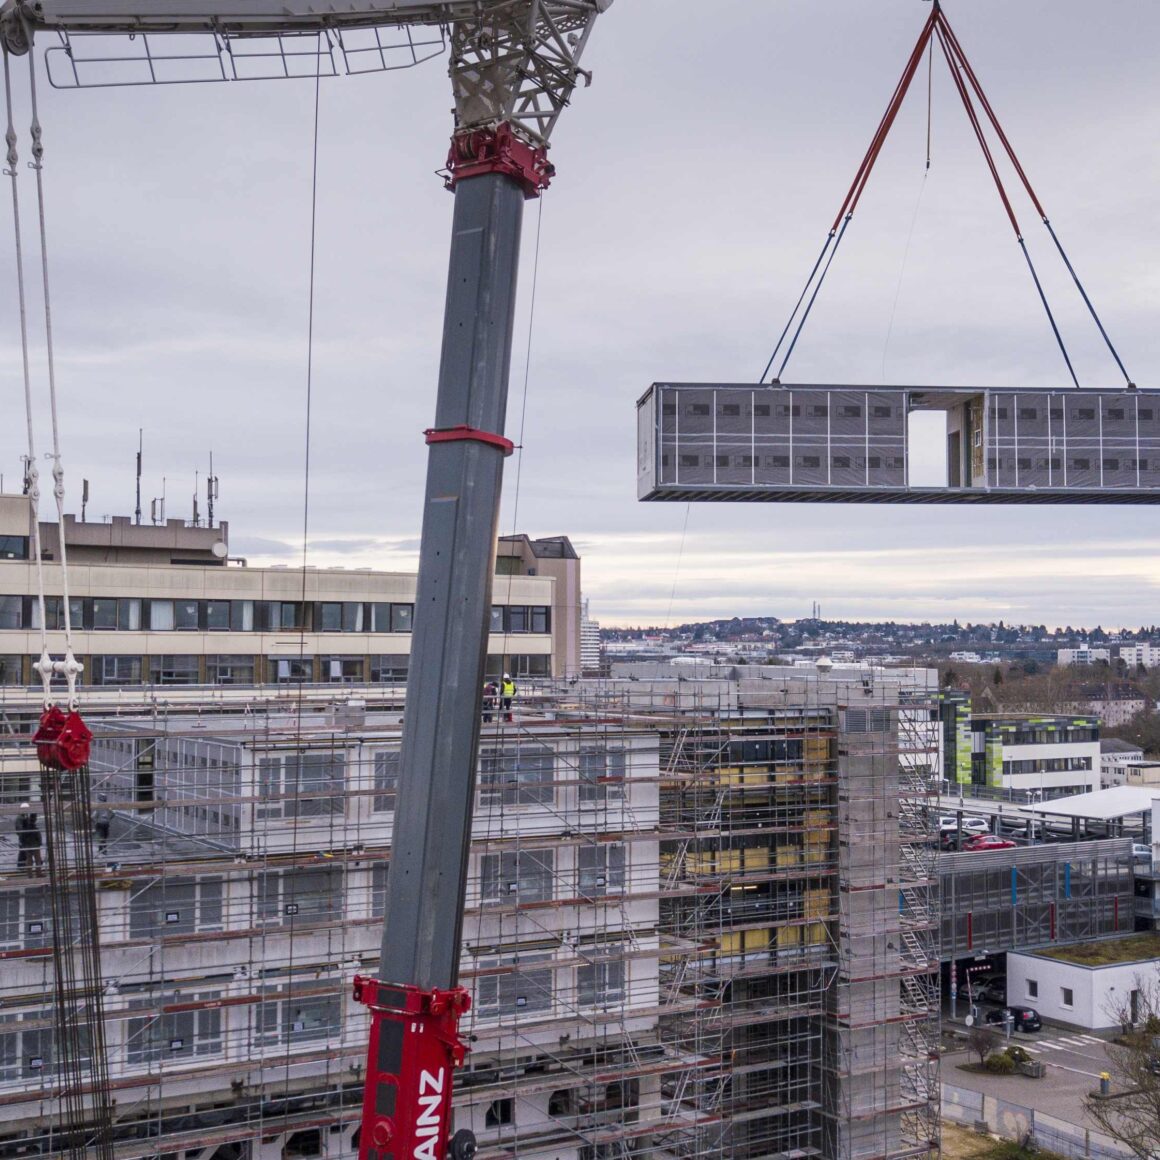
<point>981,1041</point>
<point>1133,1117</point>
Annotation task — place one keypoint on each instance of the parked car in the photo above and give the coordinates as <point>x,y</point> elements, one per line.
<point>993,990</point>
<point>1022,1018</point>
<point>988,842</point>
<point>948,823</point>
<point>1141,850</point>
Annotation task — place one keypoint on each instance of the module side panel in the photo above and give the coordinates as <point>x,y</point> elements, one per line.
<point>850,445</point>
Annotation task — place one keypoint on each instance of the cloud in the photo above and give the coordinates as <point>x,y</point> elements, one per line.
<point>697,178</point>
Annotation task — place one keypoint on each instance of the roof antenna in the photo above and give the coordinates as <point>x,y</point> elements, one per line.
<point>140,448</point>
<point>211,492</point>
<point>196,481</point>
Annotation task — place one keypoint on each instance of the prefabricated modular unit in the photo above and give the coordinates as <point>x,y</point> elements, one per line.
<point>852,445</point>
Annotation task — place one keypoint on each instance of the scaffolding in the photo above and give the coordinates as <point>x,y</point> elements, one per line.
<point>658,930</point>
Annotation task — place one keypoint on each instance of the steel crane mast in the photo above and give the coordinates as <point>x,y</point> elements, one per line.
<point>513,65</point>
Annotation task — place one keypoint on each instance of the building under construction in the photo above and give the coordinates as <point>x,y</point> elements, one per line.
<point>701,921</point>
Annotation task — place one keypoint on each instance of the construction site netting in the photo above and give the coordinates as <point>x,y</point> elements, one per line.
<point>701,921</point>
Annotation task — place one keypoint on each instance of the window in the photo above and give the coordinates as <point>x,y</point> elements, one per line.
<point>1055,414</point>
<point>176,906</point>
<point>290,670</point>
<point>174,670</point>
<point>229,670</point>
<point>314,894</point>
<point>386,781</point>
<point>1081,464</point>
<point>1114,413</point>
<point>343,670</point>
<point>518,614</point>
<point>1066,997</point>
<point>729,409</point>
<point>1000,412</point>
<point>850,411</point>
<point>242,615</point>
<point>301,785</point>
<point>513,985</point>
<point>1144,414</point>
<point>602,772</point>
<point>300,1011</point>
<point>379,872</point>
<point>1111,465</point>
<point>217,615</point>
<point>500,1112</point>
<point>389,670</point>
<point>807,461</point>
<point>601,981</point>
<point>185,615</point>
<point>104,614</point>
<point>786,411</point>
<point>819,410</point>
<point>668,408</point>
<point>1028,413</point>
<point>722,460</point>
<point>280,615</point>
<point>867,720</point>
<point>690,461</point>
<point>402,616</point>
<point>1084,413</point>
<point>542,617</point>
<point>1137,465</point>
<point>161,615</point>
<point>881,412</point>
<point>1032,988</point>
<point>173,1035</point>
<point>517,776</point>
<point>841,461</point>
<point>115,670</point>
<point>1023,463</point>
<point>761,410</point>
<point>10,670</point>
<point>697,409</point>
<point>13,547</point>
<point>330,617</point>
<point>517,876</point>
<point>27,1045</point>
<point>600,869</point>
<point>54,613</point>
<point>11,612</point>
<point>777,461</point>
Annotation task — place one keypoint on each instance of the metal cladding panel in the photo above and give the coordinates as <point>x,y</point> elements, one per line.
<point>850,445</point>
<point>647,447</point>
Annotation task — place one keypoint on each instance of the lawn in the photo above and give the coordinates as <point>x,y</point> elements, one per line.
<point>1132,949</point>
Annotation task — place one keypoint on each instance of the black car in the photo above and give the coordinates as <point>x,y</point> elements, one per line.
<point>1022,1018</point>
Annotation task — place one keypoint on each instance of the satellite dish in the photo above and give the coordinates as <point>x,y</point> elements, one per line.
<point>969,1021</point>
<point>219,549</point>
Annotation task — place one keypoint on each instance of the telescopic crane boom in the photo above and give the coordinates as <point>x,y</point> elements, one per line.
<point>513,65</point>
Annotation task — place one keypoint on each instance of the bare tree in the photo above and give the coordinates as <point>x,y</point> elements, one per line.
<point>982,1040</point>
<point>1133,1117</point>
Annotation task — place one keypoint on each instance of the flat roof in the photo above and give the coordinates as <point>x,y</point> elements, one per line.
<point>1108,952</point>
<point>1101,804</point>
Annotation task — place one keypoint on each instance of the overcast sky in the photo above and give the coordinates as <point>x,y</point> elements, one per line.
<point>697,179</point>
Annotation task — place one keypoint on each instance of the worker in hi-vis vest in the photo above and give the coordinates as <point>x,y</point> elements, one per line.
<point>507,692</point>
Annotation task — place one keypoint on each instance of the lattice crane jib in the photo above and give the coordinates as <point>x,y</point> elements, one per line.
<point>514,65</point>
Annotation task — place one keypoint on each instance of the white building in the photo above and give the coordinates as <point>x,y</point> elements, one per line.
<point>1084,655</point>
<point>1116,755</point>
<point>591,652</point>
<point>1134,655</point>
<point>1065,988</point>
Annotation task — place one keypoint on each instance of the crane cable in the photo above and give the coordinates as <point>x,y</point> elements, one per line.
<point>853,196</point>
<point>937,24</point>
<point>71,667</point>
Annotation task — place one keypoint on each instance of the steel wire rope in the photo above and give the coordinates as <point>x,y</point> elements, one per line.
<point>289,898</point>
<point>980,136</point>
<point>985,104</point>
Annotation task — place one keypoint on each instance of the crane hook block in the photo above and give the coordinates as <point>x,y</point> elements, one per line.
<point>62,739</point>
<point>414,1049</point>
<point>499,150</point>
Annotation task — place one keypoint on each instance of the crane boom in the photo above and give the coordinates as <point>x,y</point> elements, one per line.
<point>513,66</point>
